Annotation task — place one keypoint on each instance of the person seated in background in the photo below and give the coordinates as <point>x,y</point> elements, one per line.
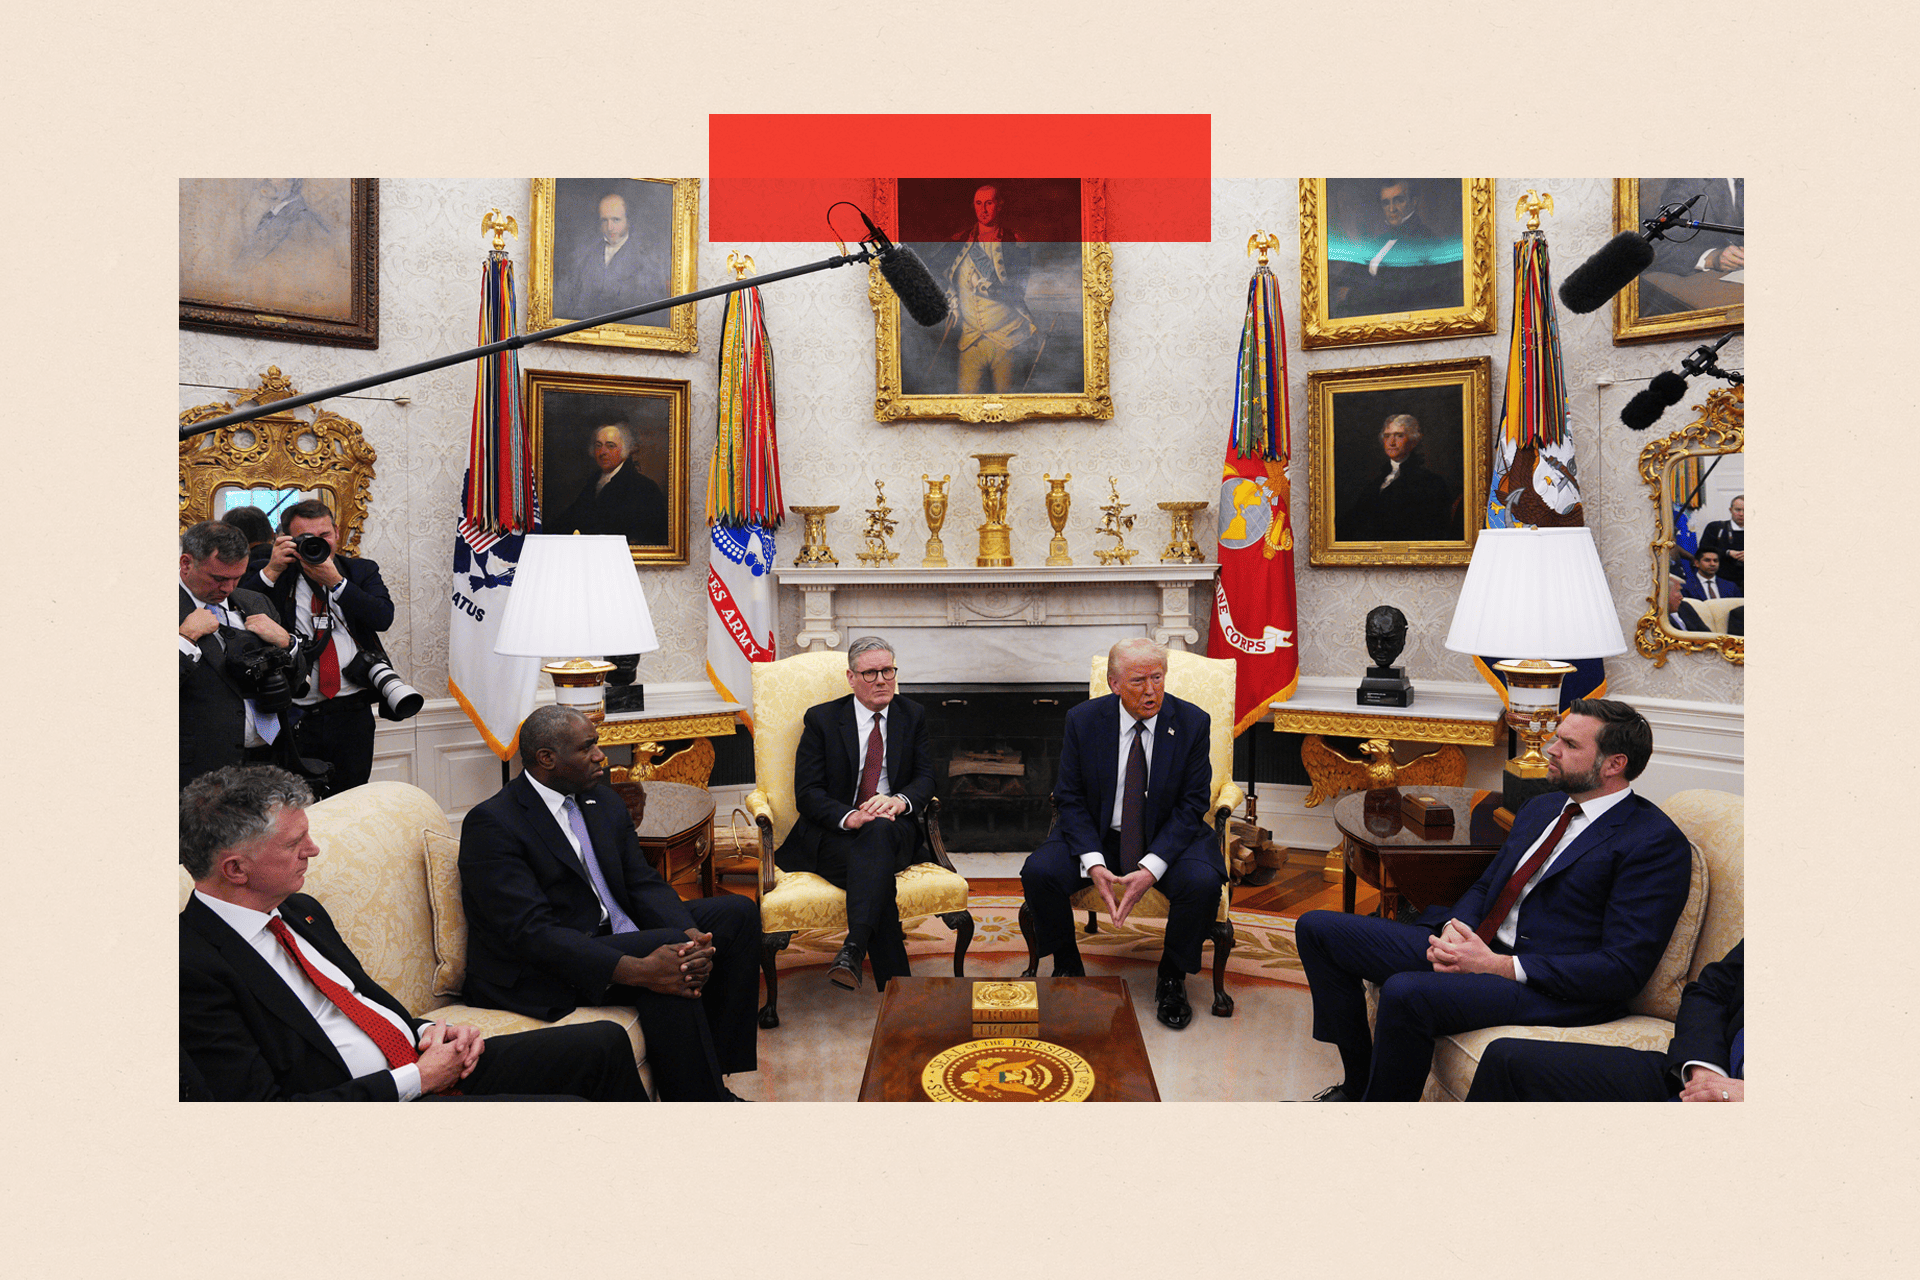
<point>862,773</point>
<point>1704,581</point>
<point>1706,1061</point>
<point>1564,927</point>
<point>253,522</point>
<point>275,1007</point>
<point>1682,616</point>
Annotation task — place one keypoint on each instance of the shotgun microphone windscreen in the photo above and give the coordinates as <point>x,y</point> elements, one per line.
<point>913,284</point>
<point>1645,409</point>
<point>1607,272</point>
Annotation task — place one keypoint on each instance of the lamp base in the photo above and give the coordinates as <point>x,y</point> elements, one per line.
<point>1520,783</point>
<point>1385,687</point>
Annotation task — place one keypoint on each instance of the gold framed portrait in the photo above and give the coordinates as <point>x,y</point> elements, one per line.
<point>1399,457</point>
<point>1694,285</point>
<point>1028,275</point>
<point>610,456</point>
<point>603,244</point>
<point>1395,260</point>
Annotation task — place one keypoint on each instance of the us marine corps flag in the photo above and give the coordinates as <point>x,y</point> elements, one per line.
<point>498,509</point>
<point>743,506</point>
<point>1254,615</point>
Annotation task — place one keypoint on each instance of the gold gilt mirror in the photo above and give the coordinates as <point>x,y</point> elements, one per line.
<point>275,461</point>
<point>1698,474</point>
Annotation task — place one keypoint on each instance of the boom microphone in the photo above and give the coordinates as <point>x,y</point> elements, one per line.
<point>1645,408</point>
<point>1617,263</point>
<point>908,277</point>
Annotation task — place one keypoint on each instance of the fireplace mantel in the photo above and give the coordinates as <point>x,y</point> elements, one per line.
<point>1023,623</point>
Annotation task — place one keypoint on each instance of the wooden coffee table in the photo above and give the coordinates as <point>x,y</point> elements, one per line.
<point>922,1017</point>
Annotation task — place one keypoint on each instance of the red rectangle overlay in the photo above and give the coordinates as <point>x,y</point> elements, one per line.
<point>771,177</point>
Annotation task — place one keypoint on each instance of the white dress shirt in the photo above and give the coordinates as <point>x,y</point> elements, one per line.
<point>1509,929</point>
<point>1152,862</point>
<point>555,802</point>
<point>344,648</point>
<point>357,1049</point>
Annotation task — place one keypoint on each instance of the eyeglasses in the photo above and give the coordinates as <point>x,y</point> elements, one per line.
<point>878,674</point>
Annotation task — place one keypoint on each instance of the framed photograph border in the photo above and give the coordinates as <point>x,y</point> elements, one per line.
<point>891,404</point>
<point>679,394</point>
<point>361,328</point>
<point>1629,326</point>
<point>1474,375</point>
<point>1479,312</point>
<point>678,333</point>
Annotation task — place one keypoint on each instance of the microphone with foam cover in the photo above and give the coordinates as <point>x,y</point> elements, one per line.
<point>1645,409</point>
<point>1606,272</point>
<point>913,284</point>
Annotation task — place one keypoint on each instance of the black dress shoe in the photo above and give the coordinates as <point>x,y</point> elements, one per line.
<point>1070,969</point>
<point>1336,1093</point>
<point>728,1095</point>
<point>1173,1011</point>
<point>846,968</point>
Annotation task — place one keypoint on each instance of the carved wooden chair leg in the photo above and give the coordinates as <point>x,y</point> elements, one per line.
<point>1222,946</point>
<point>961,922</point>
<point>771,945</point>
<point>1033,947</point>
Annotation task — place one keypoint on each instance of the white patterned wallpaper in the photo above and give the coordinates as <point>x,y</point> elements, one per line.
<point>1175,326</point>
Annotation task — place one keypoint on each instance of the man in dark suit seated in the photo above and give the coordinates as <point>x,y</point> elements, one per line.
<point>231,703</point>
<point>563,911</point>
<point>338,606</point>
<point>1729,539</point>
<point>274,1007</point>
<point>861,776</point>
<point>1132,790</point>
<point>1706,1061</point>
<point>1704,581</point>
<point>1563,928</point>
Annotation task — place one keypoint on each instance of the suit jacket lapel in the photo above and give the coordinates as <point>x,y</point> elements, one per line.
<point>1106,766</point>
<point>268,987</point>
<point>1595,835</point>
<point>211,651</point>
<point>1167,747</point>
<point>546,829</point>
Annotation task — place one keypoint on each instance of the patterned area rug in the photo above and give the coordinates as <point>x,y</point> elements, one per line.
<point>1263,944</point>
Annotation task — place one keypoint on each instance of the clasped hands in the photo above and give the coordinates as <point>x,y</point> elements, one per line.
<point>874,807</point>
<point>672,969</point>
<point>1458,949</point>
<point>448,1054</point>
<point>1707,1085</point>
<point>1131,887</point>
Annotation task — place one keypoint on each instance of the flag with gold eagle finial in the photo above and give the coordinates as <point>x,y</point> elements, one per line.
<point>1255,618</point>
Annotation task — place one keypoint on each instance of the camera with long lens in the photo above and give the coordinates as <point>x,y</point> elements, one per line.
<point>398,699</point>
<point>312,548</point>
<point>263,671</point>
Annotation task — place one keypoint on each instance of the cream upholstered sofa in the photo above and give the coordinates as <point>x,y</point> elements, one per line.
<point>388,873</point>
<point>1712,922</point>
<point>793,901</point>
<point>1208,683</point>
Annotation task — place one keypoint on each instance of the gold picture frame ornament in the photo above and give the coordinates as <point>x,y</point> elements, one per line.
<point>1718,314</point>
<point>1478,312</point>
<point>675,332</point>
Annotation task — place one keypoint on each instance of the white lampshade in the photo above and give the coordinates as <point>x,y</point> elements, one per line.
<point>1536,593</point>
<point>575,595</point>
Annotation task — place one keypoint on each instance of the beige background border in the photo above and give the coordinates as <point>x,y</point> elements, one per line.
<point>109,1176</point>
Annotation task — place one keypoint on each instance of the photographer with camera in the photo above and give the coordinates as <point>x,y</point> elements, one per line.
<point>239,668</point>
<point>337,605</point>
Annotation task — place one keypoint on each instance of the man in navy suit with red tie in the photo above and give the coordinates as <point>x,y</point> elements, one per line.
<point>1563,928</point>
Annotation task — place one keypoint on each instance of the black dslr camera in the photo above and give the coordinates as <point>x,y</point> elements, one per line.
<point>312,548</point>
<point>263,671</point>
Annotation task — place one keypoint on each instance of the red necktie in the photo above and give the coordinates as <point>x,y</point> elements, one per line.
<point>1133,804</point>
<point>329,668</point>
<point>398,1048</point>
<point>870,771</point>
<point>1490,922</point>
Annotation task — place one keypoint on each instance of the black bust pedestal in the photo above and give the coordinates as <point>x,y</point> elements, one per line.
<point>1384,687</point>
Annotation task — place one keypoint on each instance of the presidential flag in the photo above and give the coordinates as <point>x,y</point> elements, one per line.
<point>743,506</point>
<point>498,508</point>
<point>1254,615</point>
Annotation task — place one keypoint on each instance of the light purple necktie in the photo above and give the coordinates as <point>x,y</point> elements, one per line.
<point>616,918</point>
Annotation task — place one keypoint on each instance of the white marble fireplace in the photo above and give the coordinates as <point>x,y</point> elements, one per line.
<point>1020,625</point>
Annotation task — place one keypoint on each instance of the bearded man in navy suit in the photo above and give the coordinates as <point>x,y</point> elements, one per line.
<point>1093,837</point>
<point>1563,928</point>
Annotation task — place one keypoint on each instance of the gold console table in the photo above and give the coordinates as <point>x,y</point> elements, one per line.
<point>676,709</point>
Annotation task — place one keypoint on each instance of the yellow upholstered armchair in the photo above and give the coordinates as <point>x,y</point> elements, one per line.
<point>1208,683</point>
<point>791,901</point>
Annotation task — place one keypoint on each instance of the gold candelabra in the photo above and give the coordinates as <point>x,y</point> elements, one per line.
<point>1114,524</point>
<point>878,528</point>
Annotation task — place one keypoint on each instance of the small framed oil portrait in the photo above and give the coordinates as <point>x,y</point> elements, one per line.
<point>604,244</point>
<point>1697,283</point>
<point>1399,462</point>
<point>290,258</point>
<point>610,455</point>
<point>1395,260</point>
